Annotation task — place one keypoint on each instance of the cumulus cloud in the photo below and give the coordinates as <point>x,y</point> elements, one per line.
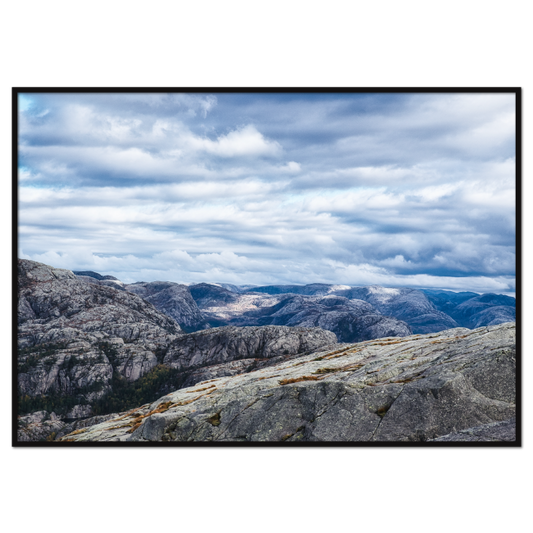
<point>412,190</point>
<point>246,141</point>
<point>291,167</point>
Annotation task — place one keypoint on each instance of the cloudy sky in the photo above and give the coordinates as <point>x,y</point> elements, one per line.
<point>414,190</point>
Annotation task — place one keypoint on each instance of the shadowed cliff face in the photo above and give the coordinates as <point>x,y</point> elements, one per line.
<point>416,388</point>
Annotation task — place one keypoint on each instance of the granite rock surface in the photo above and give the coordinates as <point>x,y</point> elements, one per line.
<point>416,388</point>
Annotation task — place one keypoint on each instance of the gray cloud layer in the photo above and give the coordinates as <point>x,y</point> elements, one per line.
<point>396,189</point>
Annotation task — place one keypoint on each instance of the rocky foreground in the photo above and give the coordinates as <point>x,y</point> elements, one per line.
<point>87,349</point>
<point>458,384</point>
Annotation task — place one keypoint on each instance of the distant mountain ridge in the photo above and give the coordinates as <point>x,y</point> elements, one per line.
<point>392,311</point>
<point>95,275</point>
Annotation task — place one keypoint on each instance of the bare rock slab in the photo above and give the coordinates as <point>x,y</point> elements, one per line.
<point>416,388</point>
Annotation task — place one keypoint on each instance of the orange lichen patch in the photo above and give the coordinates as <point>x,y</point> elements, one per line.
<point>387,343</point>
<point>135,426</point>
<point>161,408</point>
<point>345,368</point>
<point>198,390</point>
<point>305,362</point>
<point>139,417</point>
<point>77,432</point>
<point>296,380</point>
<point>132,412</point>
<point>353,350</point>
<point>325,370</point>
<point>187,402</point>
<point>205,382</point>
<point>354,366</point>
<point>334,353</point>
<point>267,377</point>
<point>338,353</point>
<point>335,356</point>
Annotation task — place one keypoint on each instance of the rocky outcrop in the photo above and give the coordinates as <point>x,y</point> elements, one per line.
<point>44,426</point>
<point>415,388</point>
<point>75,338</point>
<point>54,305</point>
<point>187,360</point>
<point>38,426</point>
<point>228,351</point>
<point>86,349</point>
<point>173,300</point>
<point>222,345</point>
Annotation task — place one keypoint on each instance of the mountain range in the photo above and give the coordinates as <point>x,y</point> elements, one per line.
<point>92,347</point>
<point>352,313</point>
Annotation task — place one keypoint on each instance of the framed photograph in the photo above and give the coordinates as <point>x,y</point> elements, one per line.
<point>266,267</point>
